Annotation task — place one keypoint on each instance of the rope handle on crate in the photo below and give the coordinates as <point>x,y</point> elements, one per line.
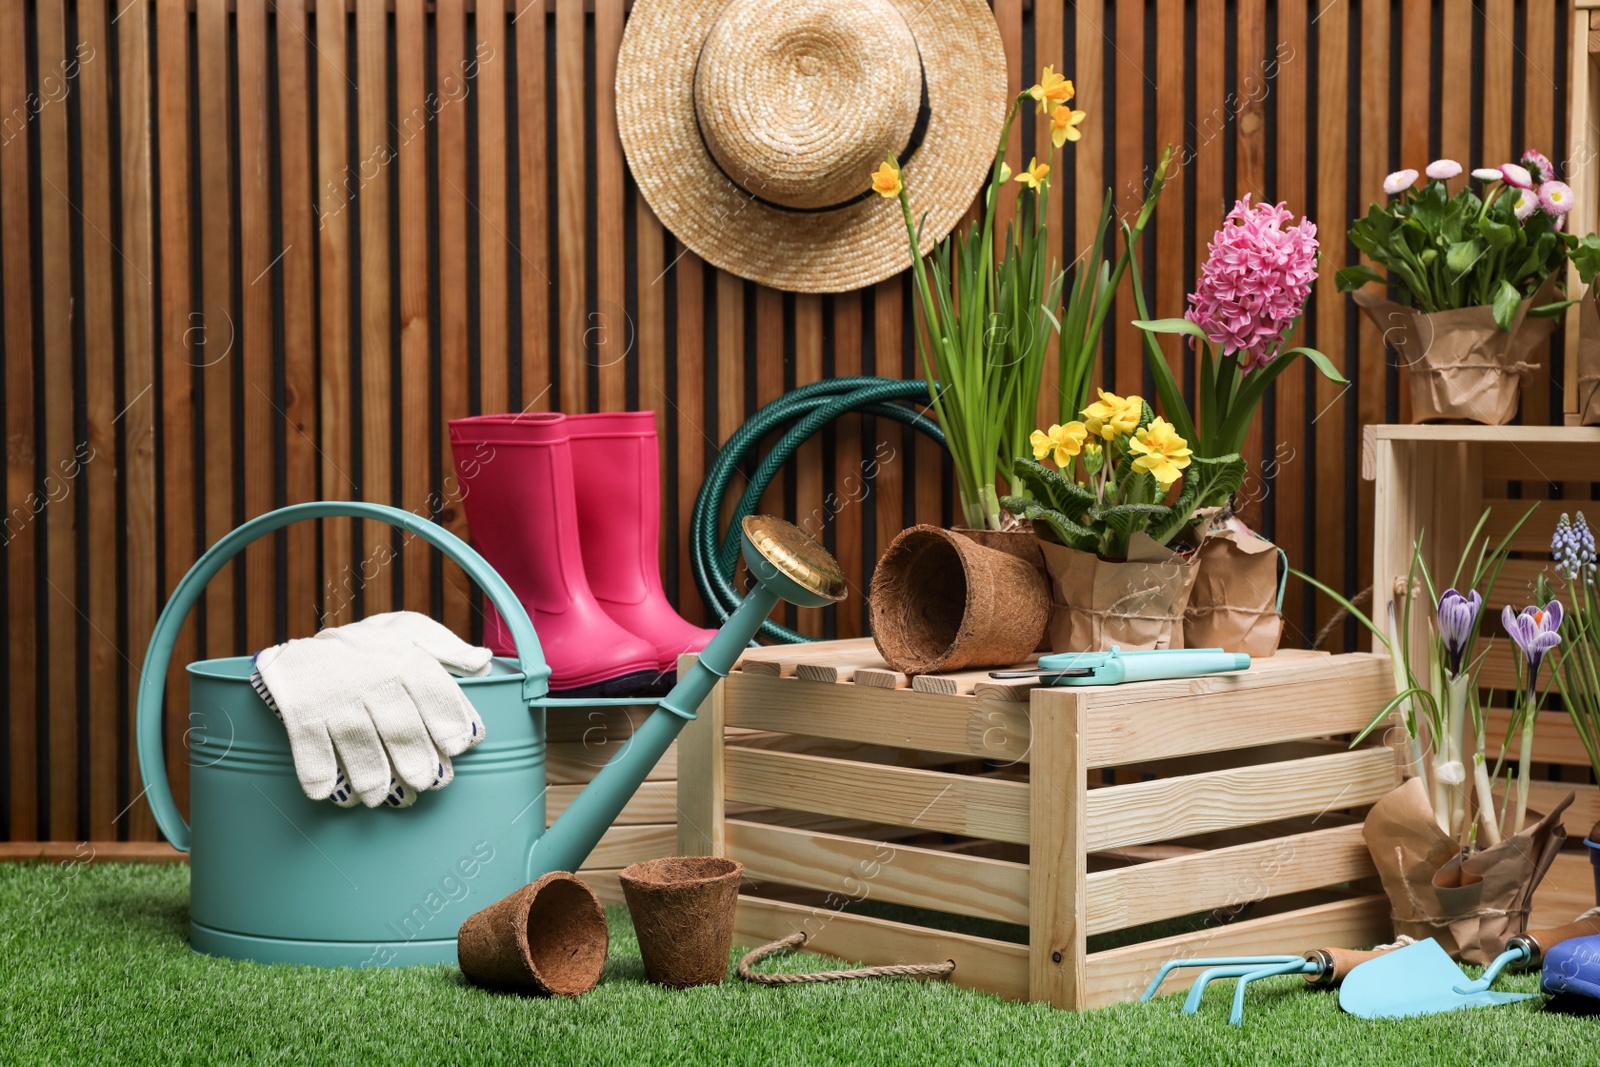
<point>798,939</point>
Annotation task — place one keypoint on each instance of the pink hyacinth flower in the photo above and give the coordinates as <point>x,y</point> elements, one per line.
<point>1257,276</point>
<point>1555,197</point>
<point>1516,175</point>
<point>1443,169</point>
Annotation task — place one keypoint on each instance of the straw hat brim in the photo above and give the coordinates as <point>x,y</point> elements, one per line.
<point>831,251</point>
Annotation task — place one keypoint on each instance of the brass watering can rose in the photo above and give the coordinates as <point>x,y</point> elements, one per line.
<point>796,554</point>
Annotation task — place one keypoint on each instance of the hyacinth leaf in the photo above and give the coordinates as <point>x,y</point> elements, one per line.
<point>1347,279</point>
<point>1506,299</point>
<point>1052,488</point>
<point>1173,326</point>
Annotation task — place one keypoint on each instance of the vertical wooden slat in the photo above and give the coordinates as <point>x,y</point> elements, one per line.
<point>1049,22</point>
<point>652,355</point>
<point>451,127</point>
<point>808,459</point>
<point>845,511</point>
<point>687,400</point>
<point>1539,131</point>
<point>90,53</point>
<point>1088,156</point>
<point>336,187</point>
<point>374,150</point>
<point>1374,164</point>
<point>1250,169</point>
<point>887,448</point>
<point>1008,14</point>
<point>297,205</point>
<point>217,328</point>
<point>1286,65</point>
<point>178,519</point>
<point>1499,20</point>
<point>534,262</point>
<point>613,326</point>
<point>1212,117</point>
<point>1415,96</point>
<point>1333,147</point>
<point>1128,152</point>
<point>1170,219</point>
<point>256,255</point>
<point>411,150</point>
<point>137,416</point>
<point>494,224</point>
<point>570,181</point>
<point>60,443</point>
<point>21,527</point>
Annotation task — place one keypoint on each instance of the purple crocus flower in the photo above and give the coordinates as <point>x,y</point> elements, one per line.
<point>1457,614</point>
<point>1534,631</point>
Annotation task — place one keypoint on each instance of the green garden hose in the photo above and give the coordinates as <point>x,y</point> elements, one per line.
<point>713,554</point>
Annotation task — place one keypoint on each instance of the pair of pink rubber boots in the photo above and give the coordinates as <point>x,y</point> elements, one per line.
<point>585,565</point>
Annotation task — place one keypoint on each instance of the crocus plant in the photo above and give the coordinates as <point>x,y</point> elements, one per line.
<point>1252,292</point>
<point>1493,242</point>
<point>1130,462</point>
<point>1578,669</point>
<point>1437,699</point>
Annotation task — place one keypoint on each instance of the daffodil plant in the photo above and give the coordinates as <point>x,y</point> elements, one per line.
<point>1493,242</point>
<point>1437,699</point>
<point>1130,461</point>
<point>988,317</point>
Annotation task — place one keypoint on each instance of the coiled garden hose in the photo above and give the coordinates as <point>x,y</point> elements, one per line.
<point>714,554</point>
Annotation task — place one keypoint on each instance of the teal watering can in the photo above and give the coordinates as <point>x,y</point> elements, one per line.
<point>279,878</point>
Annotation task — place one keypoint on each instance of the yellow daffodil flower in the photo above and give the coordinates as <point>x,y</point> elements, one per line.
<point>1113,416</point>
<point>1051,89</point>
<point>1064,125</point>
<point>1158,449</point>
<point>886,180</point>
<point>1034,174</point>
<point>1064,441</point>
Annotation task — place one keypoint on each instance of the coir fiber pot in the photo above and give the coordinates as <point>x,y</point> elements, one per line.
<point>547,939</point>
<point>943,602</point>
<point>682,909</point>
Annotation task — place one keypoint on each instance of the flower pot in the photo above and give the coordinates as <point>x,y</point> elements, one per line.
<point>1460,364</point>
<point>1471,905</point>
<point>1020,543</point>
<point>682,909</point>
<point>940,601</point>
<point>547,938</point>
<point>1589,358</point>
<point>1138,602</point>
<point>1237,599</point>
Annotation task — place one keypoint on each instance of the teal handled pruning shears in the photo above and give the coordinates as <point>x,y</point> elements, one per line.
<point>1141,665</point>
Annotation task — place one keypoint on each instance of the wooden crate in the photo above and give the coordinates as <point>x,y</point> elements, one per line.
<point>1010,824</point>
<point>1437,480</point>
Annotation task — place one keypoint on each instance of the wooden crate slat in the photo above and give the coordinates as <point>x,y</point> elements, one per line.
<point>1225,877</point>
<point>780,661</point>
<point>654,802</point>
<point>900,717</point>
<point>981,963</point>
<point>622,845</point>
<point>1170,808</point>
<point>1122,974</point>
<point>901,796</point>
<point>898,873</point>
<point>569,762</point>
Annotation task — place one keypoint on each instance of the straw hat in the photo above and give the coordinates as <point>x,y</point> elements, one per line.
<point>753,126</point>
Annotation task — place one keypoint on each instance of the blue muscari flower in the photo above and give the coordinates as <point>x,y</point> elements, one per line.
<point>1574,549</point>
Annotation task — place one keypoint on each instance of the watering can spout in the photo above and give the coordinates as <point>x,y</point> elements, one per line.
<point>786,565</point>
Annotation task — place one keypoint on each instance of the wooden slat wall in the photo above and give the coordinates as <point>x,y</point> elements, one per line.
<point>258,252</point>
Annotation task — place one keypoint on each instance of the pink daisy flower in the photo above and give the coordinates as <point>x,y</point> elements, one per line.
<point>1486,174</point>
<point>1255,281</point>
<point>1399,181</point>
<point>1516,175</point>
<point>1538,165</point>
<point>1526,203</point>
<point>1443,169</point>
<point>1555,197</point>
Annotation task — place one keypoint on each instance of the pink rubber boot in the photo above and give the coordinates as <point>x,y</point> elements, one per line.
<point>620,515</point>
<point>517,488</point>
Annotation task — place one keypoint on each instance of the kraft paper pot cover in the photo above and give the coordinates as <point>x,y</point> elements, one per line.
<point>548,938</point>
<point>1133,603</point>
<point>941,601</point>
<point>1460,363</point>
<point>683,910</point>
<point>1470,905</point>
<point>1589,358</point>
<point>1238,593</point>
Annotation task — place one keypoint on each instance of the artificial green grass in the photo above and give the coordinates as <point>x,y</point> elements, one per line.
<point>94,966</point>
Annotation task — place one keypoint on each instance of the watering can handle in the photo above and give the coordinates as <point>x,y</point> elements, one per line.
<point>152,680</point>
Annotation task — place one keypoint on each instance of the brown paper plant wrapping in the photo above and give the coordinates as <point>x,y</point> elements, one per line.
<point>1460,363</point>
<point>1589,358</point>
<point>1134,603</point>
<point>940,601</point>
<point>1237,599</point>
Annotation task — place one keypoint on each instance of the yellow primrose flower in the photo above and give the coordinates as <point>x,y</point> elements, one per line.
<point>1051,88</point>
<point>886,180</point>
<point>1034,174</point>
<point>1064,125</point>
<point>1113,416</point>
<point>1065,441</point>
<point>1158,449</point>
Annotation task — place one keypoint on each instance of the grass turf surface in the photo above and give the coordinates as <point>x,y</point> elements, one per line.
<point>95,966</point>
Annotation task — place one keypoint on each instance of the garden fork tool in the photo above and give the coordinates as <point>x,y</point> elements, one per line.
<point>1422,979</point>
<point>1322,968</point>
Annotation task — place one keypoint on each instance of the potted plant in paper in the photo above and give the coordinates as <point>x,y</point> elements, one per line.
<point>990,305</point>
<point>1476,278</point>
<point>1251,294</point>
<point>1584,253</point>
<point>1123,484</point>
<point>1577,671</point>
<point>1459,860</point>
